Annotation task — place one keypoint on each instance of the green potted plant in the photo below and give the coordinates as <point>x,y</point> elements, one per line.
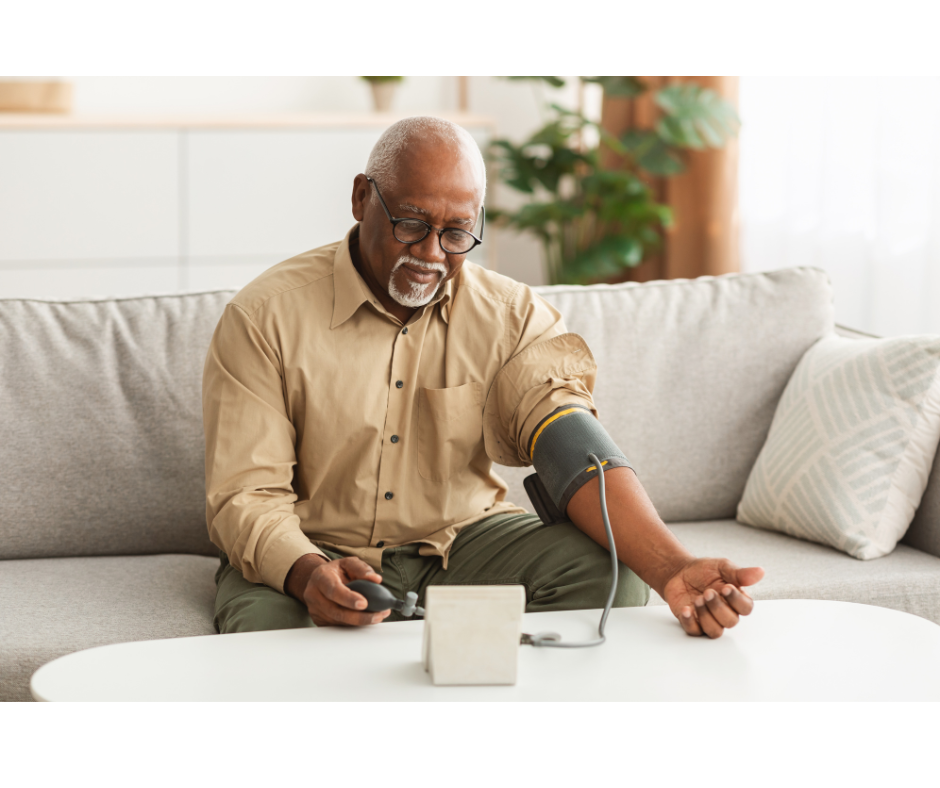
<point>594,221</point>
<point>383,91</point>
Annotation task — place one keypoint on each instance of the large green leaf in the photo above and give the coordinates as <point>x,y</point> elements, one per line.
<point>557,133</point>
<point>651,153</point>
<point>695,117</point>
<point>516,169</point>
<point>619,87</point>
<point>537,216</point>
<point>604,259</point>
<point>545,158</point>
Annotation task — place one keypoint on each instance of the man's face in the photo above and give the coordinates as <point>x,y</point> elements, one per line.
<point>437,183</point>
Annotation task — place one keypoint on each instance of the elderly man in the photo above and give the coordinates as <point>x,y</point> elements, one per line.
<point>356,396</point>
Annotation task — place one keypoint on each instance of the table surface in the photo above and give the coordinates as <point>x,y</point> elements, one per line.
<point>786,650</point>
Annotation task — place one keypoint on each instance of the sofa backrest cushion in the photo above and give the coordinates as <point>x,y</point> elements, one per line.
<point>101,440</point>
<point>689,375</point>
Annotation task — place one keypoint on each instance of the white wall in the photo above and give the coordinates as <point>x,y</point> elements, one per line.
<point>843,173</point>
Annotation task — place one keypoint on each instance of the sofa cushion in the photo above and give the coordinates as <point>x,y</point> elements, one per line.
<point>54,606</point>
<point>906,580</point>
<point>689,375</point>
<point>101,439</point>
<point>851,444</point>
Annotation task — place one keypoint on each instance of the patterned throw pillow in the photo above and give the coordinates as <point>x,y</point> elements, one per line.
<point>851,444</point>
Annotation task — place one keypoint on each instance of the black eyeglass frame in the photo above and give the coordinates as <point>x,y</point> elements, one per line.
<point>440,232</point>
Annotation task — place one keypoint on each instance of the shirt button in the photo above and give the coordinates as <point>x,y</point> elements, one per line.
<point>381,544</point>
<point>394,439</point>
<point>404,331</point>
<point>399,384</point>
<point>389,496</point>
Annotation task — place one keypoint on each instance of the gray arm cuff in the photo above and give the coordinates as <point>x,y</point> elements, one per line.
<point>559,448</point>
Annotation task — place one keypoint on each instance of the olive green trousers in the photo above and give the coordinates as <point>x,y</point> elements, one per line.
<point>560,567</point>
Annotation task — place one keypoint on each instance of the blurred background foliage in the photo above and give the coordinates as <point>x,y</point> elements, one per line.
<point>589,199</point>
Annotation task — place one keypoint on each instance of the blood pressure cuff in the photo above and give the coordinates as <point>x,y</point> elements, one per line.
<point>559,449</point>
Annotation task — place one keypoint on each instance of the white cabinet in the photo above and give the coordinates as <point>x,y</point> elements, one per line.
<point>257,192</point>
<point>89,195</point>
<point>150,207</point>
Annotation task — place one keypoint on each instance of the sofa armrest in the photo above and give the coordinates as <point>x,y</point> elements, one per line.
<point>924,533</point>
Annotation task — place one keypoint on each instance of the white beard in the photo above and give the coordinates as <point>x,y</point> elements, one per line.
<point>418,294</point>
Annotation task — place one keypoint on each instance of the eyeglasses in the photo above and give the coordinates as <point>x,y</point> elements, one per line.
<point>411,231</point>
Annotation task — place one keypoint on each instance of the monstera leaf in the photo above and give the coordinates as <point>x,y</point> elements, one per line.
<point>695,117</point>
<point>651,153</point>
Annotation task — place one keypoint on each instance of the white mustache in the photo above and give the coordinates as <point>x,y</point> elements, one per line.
<point>415,262</point>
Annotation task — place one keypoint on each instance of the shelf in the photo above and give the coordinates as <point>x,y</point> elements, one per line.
<point>34,121</point>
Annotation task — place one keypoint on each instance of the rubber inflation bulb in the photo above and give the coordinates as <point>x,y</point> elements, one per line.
<point>377,595</point>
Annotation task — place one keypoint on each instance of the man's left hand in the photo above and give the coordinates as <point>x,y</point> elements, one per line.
<point>707,595</point>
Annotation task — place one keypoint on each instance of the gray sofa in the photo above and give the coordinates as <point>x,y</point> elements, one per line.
<point>102,517</point>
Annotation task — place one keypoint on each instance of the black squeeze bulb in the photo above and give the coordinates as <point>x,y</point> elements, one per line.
<point>377,595</point>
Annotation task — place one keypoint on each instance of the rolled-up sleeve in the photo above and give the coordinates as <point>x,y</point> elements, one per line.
<point>250,454</point>
<point>548,368</point>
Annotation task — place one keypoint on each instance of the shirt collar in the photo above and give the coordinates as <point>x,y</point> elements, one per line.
<point>350,290</point>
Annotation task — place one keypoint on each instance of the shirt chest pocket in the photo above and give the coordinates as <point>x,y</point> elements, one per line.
<point>450,427</point>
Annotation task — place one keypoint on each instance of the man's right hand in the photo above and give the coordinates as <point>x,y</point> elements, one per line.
<point>321,586</point>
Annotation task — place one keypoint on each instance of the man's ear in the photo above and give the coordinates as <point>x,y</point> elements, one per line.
<point>360,194</point>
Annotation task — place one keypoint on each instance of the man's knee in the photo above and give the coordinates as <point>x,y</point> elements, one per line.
<point>595,588</point>
<point>582,580</point>
<point>241,606</point>
<point>631,591</point>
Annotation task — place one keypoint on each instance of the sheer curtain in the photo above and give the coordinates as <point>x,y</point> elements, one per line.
<point>843,173</point>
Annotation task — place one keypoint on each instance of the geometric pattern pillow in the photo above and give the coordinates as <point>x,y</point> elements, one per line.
<point>851,444</point>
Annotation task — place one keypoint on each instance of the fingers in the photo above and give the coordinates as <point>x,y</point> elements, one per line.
<point>332,581</point>
<point>706,618</point>
<point>709,596</point>
<point>714,612</point>
<point>725,616</point>
<point>689,622</point>
<point>330,585</point>
<point>748,576</point>
<point>357,569</point>
<point>740,602</point>
<point>330,602</point>
<point>325,612</point>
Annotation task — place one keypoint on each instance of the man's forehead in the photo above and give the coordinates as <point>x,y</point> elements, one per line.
<point>441,165</point>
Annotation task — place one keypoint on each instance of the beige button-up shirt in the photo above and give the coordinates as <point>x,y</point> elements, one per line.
<point>331,424</point>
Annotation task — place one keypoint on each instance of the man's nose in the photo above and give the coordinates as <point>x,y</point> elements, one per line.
<point>429,249</point>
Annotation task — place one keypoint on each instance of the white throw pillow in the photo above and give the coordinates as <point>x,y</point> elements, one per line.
<point>851,444</point>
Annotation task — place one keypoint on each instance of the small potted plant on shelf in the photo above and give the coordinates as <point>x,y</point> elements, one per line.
<point>383,91</point>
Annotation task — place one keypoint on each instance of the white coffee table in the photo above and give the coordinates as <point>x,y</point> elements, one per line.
<point>787,650</point>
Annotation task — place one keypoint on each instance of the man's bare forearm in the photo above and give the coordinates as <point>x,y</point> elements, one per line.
<point>643,541</point>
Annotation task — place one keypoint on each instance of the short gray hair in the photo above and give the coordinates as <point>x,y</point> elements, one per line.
<point>383,159</point>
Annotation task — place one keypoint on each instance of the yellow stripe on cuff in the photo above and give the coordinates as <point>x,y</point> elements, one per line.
<point>541,429</point>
